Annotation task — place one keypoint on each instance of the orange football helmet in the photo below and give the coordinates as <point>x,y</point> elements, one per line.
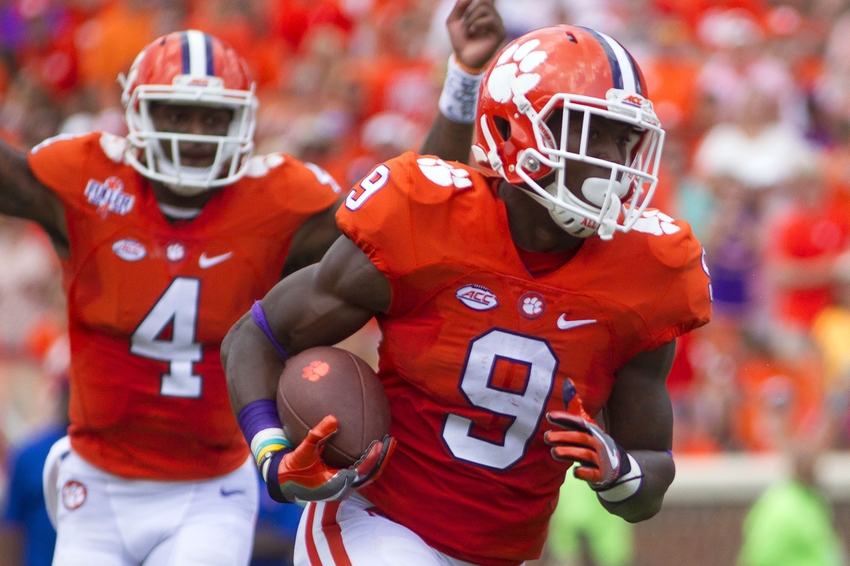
<point>584,73</point>
<point>192,68</point>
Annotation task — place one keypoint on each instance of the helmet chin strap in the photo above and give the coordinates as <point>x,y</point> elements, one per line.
<point>594,189</point>
<point>196,174</point>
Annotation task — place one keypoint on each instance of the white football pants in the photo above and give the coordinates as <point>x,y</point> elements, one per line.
<point>111,521</point>
<point>339,533</point>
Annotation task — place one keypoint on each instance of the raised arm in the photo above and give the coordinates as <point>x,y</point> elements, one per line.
<point>476,31</point>
<point>24,196</point>
<point>629,466</point>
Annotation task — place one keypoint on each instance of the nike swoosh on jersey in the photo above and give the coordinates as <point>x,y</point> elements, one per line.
<point>206,262</point>
<point>565,324</point>
<point>229,492</point>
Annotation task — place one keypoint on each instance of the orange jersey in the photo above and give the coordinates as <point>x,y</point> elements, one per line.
<point>149,302</point>
<point>476,351</point>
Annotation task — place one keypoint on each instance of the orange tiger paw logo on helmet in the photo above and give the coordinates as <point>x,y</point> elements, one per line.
<point>316,370</point>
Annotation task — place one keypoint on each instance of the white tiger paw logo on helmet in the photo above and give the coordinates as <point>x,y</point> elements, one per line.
<point>656,223</point>
<point>514,69</point>
<point>443,174</point>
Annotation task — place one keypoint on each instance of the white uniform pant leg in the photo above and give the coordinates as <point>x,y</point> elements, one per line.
<point>107,520</point>
<point>332,533</point>
<point>50,476</point>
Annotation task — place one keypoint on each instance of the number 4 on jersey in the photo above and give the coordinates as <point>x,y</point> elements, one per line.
<point>177,308</point>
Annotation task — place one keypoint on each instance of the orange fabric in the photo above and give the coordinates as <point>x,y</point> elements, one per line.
<point>149,303</point>
<point>808,234</point>
<point>469,326</point>
<point>112,40</point>
<point>770,390</point>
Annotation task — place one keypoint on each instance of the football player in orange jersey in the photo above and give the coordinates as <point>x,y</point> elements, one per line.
<point>529,317</point>
<point>166,237</point>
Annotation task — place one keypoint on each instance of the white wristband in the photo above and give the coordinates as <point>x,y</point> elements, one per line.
<point>267,441</point>
<point>459,99</point>
<point>626,486</point>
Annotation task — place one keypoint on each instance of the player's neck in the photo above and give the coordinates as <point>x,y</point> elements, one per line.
<point>176,207</point>
<point>531,226</point>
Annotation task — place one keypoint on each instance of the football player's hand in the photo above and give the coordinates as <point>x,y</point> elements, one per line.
<point>601,462</point>
<point>302,475</point>
<point>476,31</point>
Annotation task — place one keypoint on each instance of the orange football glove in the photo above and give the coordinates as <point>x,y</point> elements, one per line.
<point>603,464</point>
<point>302,475</point>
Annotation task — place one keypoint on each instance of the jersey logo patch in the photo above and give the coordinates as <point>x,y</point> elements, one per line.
<point>73,494</point>
<point>441,173</point>
<point>477,297</point>
<point>564,324</point>
<point>175,251</point>
<point>129,249</point>
<point>513,73</point>
<point>532,305</point>
<point>656,223</point>
<point>206,262</point>
<point>108,196</point>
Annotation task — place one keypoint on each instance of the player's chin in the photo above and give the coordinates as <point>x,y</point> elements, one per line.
<point>197,162</point>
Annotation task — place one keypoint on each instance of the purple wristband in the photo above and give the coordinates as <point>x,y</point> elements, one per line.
<point>259,316</point>
<point>257,416</point>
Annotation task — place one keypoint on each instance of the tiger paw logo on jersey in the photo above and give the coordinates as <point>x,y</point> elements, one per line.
<point>532,305</point>
<point>514,71</point>
<point>175,251</point>
<point>656,223</point>
<point>443,174</point>
<point>315,370</point>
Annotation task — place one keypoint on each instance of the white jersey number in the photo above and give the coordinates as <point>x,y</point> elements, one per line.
<point>370,185</point>
<point>177,307</point>
<point>526,407</point>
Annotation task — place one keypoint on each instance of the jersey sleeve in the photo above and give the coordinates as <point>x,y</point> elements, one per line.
<point>681,300</point>
<point>60,162</point>
<point>377,215</point>
<point>311,188</point>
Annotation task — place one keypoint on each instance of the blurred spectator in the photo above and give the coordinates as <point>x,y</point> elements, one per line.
<point>791,523</point>
<point>108,42</point>
<point>26,536</point>
<point>247,26</point>
<point>808,238</point>
<point>29,282</point>
<point>394,75</point>
<point>583,533</point>
<point>37,37</point>
<point>830,331</point>
<point>384,135</point>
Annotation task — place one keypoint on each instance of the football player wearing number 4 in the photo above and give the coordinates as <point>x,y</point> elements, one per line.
<point>165,239</point>
<point>529,318</point>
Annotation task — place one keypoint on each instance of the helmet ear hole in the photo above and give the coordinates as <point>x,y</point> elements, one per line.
<point>503,127</point>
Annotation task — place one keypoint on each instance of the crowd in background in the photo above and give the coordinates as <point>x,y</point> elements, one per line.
<point>754,96</point>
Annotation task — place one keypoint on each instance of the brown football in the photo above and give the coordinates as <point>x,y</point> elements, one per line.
<point>326,380</point>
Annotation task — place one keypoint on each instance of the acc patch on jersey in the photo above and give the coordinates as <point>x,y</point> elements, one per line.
<point>477,297</point>
<point>129,249</point>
